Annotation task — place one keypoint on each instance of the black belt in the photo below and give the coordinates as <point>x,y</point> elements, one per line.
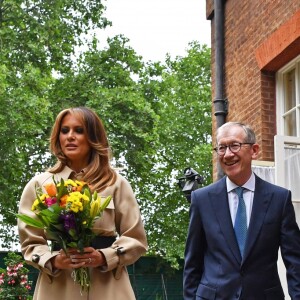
<point>98,242</point>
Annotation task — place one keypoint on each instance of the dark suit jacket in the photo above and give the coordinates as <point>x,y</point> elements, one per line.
<point>214,268</point>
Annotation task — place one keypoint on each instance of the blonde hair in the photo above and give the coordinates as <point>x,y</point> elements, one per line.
<point>98,173</point>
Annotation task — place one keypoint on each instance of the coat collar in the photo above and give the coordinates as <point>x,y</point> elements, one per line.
<point>261,201</point>
<point>65,173</point>
<point>219,200</point>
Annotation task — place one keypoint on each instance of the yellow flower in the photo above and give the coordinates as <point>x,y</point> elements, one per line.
<point>39,200</point>
<point>95,208</point>
<point>70,182</point>
<point>35,204</point>
<point>74,185</point>
<point>76,201</point>
<point>43,197</point>
<point>80,183</point>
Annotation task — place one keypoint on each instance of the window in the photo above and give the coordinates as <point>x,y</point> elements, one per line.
<point>288,99</point>
<point>287,164</point>
<point>287,140</point>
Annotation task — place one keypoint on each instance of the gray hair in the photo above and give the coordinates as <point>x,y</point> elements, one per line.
<point>250,134</point>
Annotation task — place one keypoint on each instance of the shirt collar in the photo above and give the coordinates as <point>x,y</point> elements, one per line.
<point>249,185</point>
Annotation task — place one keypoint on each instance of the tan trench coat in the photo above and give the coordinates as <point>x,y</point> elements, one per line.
<point>122,216</point>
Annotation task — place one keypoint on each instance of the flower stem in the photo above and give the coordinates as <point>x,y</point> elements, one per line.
<point>81,276</point>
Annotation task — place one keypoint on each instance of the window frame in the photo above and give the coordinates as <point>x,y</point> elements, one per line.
<point>280,96</point>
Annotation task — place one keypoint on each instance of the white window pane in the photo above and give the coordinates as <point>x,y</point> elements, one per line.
<point>292,170</point>
<point>289,90</point>
<point>290,124</point>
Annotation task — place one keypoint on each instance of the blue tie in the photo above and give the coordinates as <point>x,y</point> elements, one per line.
<point>240,224</point>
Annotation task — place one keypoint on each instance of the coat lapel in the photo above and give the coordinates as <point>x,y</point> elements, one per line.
<point>261,202</point>
<point>219,200</point>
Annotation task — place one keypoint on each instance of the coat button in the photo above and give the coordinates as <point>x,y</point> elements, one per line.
<point>35,258</point>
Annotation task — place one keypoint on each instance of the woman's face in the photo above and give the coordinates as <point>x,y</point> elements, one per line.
<point>74,143</point>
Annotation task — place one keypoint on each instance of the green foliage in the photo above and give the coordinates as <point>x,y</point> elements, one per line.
<point>14,279</point>
<point>179,92</point>
<point>23,133</point>
<point>46,33</point>
<point>38,39</point>
<point>157,115</point>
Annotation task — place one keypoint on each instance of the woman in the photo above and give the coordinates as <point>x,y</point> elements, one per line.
<point>79,142</point>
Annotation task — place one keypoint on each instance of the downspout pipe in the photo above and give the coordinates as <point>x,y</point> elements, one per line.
<point>220,104</point>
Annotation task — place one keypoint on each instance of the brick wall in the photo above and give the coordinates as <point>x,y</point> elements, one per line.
<point>249,84</point>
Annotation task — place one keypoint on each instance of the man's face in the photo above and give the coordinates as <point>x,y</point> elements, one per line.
<point>237,166</point>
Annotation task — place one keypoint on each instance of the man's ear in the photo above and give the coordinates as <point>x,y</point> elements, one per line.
<point>255,151</point>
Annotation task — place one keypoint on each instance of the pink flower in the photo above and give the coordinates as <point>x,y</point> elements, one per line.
<point>12,273</point>
<point>50,201</point>
<point>18,266</point>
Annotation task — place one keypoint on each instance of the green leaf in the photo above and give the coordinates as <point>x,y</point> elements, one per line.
<point>30,221</point>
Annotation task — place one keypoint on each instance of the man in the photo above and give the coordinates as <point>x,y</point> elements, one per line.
<point>221,260</point>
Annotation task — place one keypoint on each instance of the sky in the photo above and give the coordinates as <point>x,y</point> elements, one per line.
<point>158,27</point>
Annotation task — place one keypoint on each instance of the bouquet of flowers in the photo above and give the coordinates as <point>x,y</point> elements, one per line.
<point>14,279</point>
<point>67,212</point>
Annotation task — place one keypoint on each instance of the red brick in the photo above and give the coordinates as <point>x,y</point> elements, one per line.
<point>249,83</point>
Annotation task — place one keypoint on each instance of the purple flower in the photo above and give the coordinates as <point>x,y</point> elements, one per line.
<point>68,220</point>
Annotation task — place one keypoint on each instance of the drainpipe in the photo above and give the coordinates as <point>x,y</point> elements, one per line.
<point>220,104</point>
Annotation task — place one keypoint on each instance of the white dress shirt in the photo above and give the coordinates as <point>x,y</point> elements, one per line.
<point>247,195</point>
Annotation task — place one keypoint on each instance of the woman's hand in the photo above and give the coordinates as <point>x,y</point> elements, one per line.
<point>63,261</point>
<point>74,259</point>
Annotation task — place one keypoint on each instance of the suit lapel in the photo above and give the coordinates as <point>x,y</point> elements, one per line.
<point>261,201</point>
<point>219,200</point>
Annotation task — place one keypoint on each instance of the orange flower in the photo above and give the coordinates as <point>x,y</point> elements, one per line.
<point>63,200</point>
<point>50,189</point>
<point>78,188</point>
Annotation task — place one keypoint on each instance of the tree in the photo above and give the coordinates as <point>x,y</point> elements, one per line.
<point>105,81</point>
<point>157,115</point>
<point>158,118</point>
<point>181,97</point>
<point>46,33</point>
<point>37,39</point>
